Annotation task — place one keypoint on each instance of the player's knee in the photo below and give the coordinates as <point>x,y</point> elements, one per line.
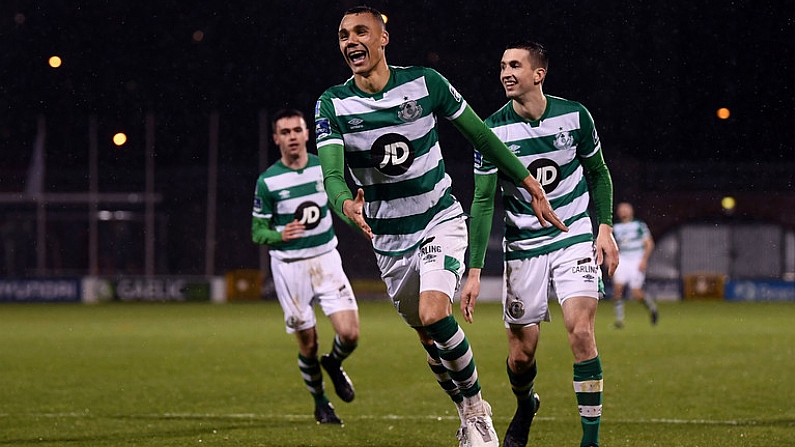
<point>581,336</point>
<point>309,350</point>
<point>521,361</point>
<point>349,336</point>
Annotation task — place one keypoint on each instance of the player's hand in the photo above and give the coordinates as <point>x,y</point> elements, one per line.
<point>541,206</point>
<point>293,230</point>
<point>353,211</point>
<point>606,249</point>
<point>469,294</point>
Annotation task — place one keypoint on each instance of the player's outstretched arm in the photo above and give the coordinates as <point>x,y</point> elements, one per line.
<point>485,141</point>
<point>353,211</point>
<point>540,204</point>
<point>341,200</point>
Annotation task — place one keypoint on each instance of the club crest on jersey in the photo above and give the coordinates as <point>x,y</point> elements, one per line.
<point>516,309</point>
<point>409,111</point>
<point>392,154</point>
<point>308,213</point>
<point>563,140</point>
<point>547,172</point>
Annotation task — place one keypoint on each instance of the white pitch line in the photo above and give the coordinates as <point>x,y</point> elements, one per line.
<point>290,417</point>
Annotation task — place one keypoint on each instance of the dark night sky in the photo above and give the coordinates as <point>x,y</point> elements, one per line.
<point>652,73</point>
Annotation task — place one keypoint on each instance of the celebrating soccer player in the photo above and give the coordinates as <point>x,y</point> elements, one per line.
<point>557,140</point>
<point>382,124</point>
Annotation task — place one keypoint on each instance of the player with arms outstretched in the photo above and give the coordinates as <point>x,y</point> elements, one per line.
<point>382,124</point>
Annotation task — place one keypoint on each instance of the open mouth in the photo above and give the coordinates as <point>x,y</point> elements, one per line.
<point>357,56</point>
<point>509,82</point>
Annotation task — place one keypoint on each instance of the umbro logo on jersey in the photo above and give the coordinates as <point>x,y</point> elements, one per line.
<point>284,194</point>
<point>355,123</point>
<point>515,148</point>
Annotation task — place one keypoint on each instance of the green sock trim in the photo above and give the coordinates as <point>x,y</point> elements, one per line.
<point>522,384</point>
<point>442,330</point>
<point>588,370</point>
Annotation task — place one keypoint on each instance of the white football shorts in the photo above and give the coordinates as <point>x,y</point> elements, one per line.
<point>527,283</point>
<point>302,283</point>
<point>628,272</point>
<point>437,264</point>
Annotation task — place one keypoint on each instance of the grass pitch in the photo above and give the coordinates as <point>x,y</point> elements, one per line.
<point>710,374</point>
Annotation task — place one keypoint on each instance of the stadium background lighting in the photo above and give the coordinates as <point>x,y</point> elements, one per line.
<point>728,203</point>
<point>119,139</point>
<point>54,61</point>
<point>723,113</point>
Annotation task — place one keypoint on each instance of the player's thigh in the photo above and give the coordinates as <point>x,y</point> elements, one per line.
<point>637,280</point>
<point>622,274</point>
<point>525,284</point>
<point>441,257</point>
<point>575,272</point>
<point>401,276</point>
<point>294,291</point>
<point>332,290</point>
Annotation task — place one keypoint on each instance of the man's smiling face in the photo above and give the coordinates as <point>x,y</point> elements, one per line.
<point>362,39</point>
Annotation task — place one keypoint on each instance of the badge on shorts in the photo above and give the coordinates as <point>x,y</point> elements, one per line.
<point>516,309</point>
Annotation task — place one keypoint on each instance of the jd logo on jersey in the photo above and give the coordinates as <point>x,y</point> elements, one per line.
<point>392,154</point>
<point>547,172</point>
<point>308,213</point>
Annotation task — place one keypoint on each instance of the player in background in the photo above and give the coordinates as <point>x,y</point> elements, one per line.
<point>381,123</point>
<point>635,245</point>
<point>558,142</point>
<point>292,216</point>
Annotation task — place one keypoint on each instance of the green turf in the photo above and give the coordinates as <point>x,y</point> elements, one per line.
<point>710,374</point>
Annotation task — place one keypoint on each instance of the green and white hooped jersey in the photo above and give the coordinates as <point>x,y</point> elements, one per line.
<point>629,237</point>
<point>392,151</point>
<point>282,195</point>
<point>551,148</point>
